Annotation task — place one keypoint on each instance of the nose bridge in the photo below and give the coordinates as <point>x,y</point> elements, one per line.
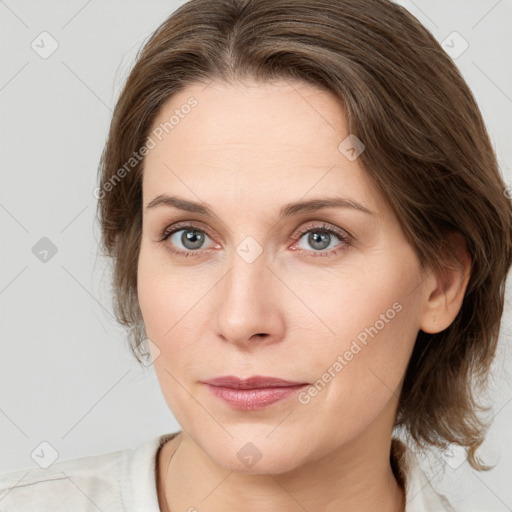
<point>246,305</point>
<point>246,282</point>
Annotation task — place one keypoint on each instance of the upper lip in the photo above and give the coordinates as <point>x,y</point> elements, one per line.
<point>255,382</point>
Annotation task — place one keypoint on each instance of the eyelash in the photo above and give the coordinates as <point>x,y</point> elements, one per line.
<point>344,237</point>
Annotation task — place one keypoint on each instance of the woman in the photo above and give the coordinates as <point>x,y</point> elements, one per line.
<point>310,239</point>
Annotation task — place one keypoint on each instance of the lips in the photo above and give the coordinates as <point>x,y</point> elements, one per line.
<point>254,393</point>
<point>256,382</point>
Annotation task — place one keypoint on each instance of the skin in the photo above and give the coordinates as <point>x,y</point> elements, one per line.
<point>246,150</point>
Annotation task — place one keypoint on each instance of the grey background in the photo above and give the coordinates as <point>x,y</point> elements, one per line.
<point>66,375</point>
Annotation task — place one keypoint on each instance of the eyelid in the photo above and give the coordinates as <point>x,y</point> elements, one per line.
<point>324,226</point>
<point>186,224</point>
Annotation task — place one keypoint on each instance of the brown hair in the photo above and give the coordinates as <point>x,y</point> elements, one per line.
<point>426,148</point>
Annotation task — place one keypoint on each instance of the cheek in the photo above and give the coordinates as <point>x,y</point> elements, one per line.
<point>164,305</point>
<point>169,303</point>
<point>163,296</point>
<point>361,370</point>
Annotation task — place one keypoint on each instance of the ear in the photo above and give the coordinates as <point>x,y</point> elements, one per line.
<point>445,293</point>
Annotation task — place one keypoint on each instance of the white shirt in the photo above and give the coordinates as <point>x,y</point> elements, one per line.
<point>125,481</point>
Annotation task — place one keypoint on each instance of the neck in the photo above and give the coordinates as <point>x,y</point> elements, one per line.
<point>358,476</point>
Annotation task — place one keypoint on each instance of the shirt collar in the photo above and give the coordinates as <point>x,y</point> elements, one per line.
<point>420,495</point>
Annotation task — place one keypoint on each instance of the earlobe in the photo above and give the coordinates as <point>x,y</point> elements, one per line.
<point>445,292</point>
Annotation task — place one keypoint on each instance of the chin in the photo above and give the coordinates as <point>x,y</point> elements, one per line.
<point>275,462</point>
<point>253,451</point>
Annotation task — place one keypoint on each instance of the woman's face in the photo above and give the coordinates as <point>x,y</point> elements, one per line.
<point>259,287</point>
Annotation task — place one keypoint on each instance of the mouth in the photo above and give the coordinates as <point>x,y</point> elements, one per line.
<point>252,393</point>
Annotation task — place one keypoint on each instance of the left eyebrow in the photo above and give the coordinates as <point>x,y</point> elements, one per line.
<point>286,210</point>
<point>317,204</point>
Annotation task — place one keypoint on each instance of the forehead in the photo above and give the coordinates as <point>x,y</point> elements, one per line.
<point>271,117</point>
<point>268,143</point>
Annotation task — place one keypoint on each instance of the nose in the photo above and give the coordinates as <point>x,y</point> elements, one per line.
<point>249,304</point>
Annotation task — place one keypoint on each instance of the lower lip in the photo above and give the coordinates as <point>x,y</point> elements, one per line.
<point>253,399</point>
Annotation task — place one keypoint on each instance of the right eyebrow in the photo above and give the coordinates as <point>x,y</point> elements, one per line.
<point>181,204</point>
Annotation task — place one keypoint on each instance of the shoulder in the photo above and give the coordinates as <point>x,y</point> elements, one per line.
<point>86,483</point>
<point>97,482</point>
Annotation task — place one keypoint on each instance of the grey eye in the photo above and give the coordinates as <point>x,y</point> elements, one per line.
<point>191,239</point>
